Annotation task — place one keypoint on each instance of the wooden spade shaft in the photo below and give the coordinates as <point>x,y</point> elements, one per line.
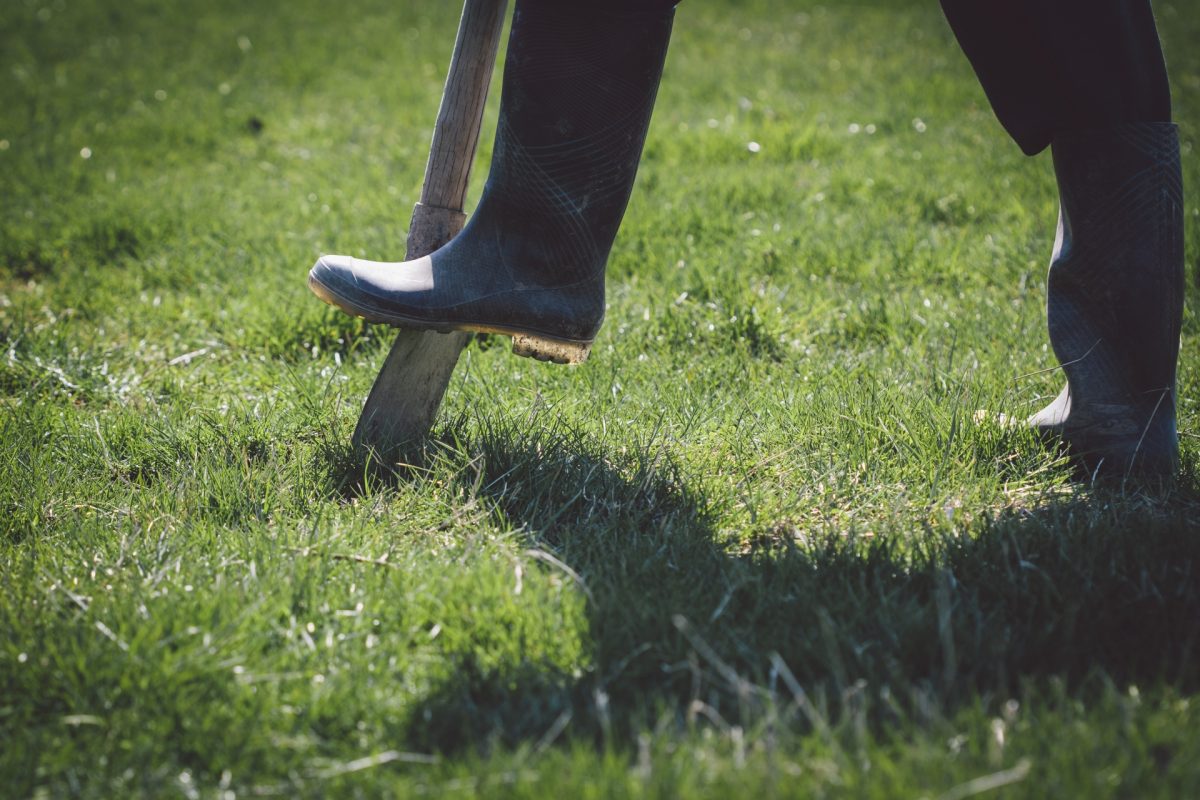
<point>406,395</point>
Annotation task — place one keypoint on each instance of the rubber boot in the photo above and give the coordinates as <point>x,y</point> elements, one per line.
<point>1115,298</point>
<point>579,86</point>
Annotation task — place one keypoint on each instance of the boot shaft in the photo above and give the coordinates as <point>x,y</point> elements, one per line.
<point>579,85</point>
<point>1116,281</point>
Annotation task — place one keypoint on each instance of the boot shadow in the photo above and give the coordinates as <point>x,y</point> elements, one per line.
<point>681,616</point>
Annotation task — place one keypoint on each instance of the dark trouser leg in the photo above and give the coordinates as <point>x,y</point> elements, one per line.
<point>1087,78</point>
<point>1054,66</point>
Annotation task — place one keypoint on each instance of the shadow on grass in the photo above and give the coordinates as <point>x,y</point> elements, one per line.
<point>685,620</point>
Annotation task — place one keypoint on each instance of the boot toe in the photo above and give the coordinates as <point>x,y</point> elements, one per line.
<point>333,280</point>
<point>396,293</point>
<point>331,273</point>
<point>331,270</point>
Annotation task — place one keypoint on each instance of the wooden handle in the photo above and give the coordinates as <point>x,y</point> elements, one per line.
<point>406,395</point>
<point>439,215</point>
<point>457,131</point>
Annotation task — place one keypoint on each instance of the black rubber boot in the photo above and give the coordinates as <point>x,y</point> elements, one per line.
<point>1115,298</point>
<point>579,86</point>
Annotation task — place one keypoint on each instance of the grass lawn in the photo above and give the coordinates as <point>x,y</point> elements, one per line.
<point>756,545</point>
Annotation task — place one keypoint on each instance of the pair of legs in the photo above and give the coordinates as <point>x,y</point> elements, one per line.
<point>1084,77</point>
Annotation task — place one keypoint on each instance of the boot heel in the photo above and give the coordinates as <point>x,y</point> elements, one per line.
<point>556,350</point>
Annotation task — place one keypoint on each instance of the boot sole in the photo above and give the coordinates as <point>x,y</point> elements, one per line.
<point>1112,457</point>
<point>530,344</point>
<point>1094,457</point>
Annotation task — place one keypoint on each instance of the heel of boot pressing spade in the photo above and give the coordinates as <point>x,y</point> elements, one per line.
<point>558,351</point>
